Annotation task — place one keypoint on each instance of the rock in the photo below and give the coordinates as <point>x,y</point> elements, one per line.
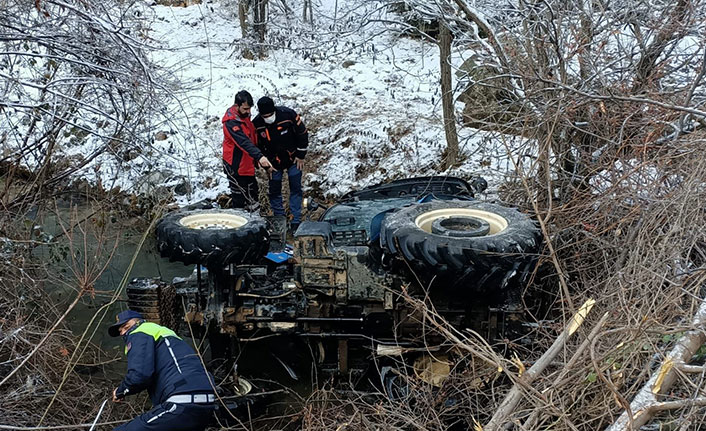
<point>348,63</point>
<point>153,184</point>
<point>182,186</point>
<point>489,105</point>
<point>130,154</point>
<point>489,100</point>
<point>161,185</point>
<point>160,136</point>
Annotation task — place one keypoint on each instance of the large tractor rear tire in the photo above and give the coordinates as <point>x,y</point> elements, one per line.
<point>453,237</point>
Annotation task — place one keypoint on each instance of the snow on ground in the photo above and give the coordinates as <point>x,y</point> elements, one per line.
<point>370,99</point>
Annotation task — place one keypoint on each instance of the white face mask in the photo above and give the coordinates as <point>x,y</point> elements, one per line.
<point>270,119</point>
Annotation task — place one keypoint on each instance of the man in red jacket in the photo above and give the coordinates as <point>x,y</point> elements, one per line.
<point>240,152</point>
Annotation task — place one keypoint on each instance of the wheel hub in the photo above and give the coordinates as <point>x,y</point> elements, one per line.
<point>496,223</point>
<point>460,226</point>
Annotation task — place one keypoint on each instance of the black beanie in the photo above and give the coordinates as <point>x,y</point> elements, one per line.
<point>265,106</point>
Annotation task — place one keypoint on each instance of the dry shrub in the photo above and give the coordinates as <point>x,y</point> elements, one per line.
<point>28,315</point>
<point>50,377</point>
<point>633,238</point>
<point>635,246</point>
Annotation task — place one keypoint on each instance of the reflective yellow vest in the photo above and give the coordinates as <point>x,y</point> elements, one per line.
<point>155,330</point>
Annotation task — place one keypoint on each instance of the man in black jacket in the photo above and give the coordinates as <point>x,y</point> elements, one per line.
<point>283,139</point>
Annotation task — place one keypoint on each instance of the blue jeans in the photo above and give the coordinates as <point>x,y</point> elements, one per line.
<point>295,193</point>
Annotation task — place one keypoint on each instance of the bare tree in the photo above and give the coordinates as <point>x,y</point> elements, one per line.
<point>253,37</point>
<point>443,27</point>
<point>243,11</point>
<point>447,95</point>
<point>260,24</point>
<point>591,108</point>
<point>73,72</point>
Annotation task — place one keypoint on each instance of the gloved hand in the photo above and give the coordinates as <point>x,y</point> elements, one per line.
<point>265,163</point>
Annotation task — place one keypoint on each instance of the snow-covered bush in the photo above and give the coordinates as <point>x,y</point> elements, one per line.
<point>77,88</point>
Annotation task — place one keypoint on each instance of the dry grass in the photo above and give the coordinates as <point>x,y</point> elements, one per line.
<point>50,375</point>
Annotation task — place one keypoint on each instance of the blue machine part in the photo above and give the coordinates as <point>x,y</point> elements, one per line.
<point>282,256</point>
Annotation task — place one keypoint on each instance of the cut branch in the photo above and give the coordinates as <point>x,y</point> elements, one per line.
<point>513,398</point>
<point>645,402</point>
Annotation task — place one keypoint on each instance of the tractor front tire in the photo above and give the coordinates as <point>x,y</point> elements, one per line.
<point>212,237</point>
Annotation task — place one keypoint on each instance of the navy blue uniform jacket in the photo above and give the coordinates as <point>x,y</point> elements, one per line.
<point>164,364</point>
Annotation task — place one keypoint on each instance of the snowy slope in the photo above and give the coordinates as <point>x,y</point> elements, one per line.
<point>370,99</point>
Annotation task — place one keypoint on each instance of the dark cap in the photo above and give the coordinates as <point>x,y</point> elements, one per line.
<point>265,106</point>
<point>121,319</point>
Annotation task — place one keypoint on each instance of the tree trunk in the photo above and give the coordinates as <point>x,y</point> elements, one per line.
<point>243,6</point>
<point>260,25</point>
<point>260,20</point>
<point>307,15</point>
<point>447,97</point>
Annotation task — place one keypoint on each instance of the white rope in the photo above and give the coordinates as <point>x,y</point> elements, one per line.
<point>55,427</point>
<point>100,411</point>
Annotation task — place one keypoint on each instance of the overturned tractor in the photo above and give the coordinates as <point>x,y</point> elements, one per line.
<point>349,284</point>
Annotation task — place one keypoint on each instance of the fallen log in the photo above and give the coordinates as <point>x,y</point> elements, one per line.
<point>646,403</point>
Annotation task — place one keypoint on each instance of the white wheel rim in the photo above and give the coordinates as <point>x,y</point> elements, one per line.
<point>244,387</point>
<point>497,223</point>
<point>213,221</point>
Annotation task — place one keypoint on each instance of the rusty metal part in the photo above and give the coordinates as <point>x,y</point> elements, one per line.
<point>343,356</point>
<point>193,316</point>
<point>154,299</point>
